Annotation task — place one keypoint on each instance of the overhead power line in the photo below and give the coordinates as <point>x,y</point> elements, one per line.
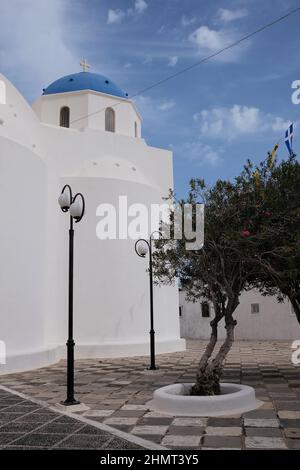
<point>200,62</point>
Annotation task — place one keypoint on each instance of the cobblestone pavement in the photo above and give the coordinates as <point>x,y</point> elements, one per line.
<point>117,392</point>
<point>28,425</point>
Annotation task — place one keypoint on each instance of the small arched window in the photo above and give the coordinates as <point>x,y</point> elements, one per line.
<point>135,129</point>
<point>2,92</point>
<point>205,310</point>
<point>110,124</point>
<point>64,117</point>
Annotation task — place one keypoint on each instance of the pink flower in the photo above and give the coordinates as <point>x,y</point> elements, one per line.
<point>245,233</point>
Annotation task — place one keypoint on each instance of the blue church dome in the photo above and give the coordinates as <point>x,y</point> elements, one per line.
<point>84,81</point>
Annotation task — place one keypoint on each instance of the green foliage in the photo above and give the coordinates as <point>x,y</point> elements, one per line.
<point>252,238</point>
<point>275,226</point>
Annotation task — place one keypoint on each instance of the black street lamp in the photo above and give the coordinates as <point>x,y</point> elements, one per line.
<point>142,247</point>
<point>75,206</point>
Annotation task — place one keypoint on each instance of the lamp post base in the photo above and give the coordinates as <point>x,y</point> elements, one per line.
<point>149,371</point>
<point>70,403</point>
<point>72,407</point>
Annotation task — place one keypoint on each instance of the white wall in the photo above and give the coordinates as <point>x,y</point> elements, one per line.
<point>192,324</point>
<point>23,188</point>
<point>18,121</point>
<point>274,320</point>
<point>90,159</point>
<point>2,92</point>
<point>111,303</point>
<point>47,108</point>
<point>22,246</point>
<point>112,284</point>
<point>84,111</point>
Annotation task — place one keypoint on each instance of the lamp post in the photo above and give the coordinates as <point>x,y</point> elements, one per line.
<point>142,247</point>
<point>75,206</point>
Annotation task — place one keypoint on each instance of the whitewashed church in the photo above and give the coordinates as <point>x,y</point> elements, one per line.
<point>85,132</point>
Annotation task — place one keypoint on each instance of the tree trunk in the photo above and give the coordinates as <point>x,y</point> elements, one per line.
<point>209,373</point>
<point>201,388</point>
<point>295,301</point>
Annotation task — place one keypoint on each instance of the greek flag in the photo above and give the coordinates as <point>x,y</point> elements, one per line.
<point>289,139</point>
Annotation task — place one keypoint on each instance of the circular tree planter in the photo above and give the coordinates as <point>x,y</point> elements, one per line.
<point>175,400</point>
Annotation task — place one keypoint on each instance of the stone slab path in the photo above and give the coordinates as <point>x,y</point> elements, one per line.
<point>25,424</point>
<point>117,392</point>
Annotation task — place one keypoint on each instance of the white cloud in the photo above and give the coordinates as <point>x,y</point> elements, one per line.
<point>230,123</point>
<point>209,41</point>
<point>227,16</point>
<point>35,43</point>
<point>161,29</point>
<point>155,112</point>
<point>194,149</point>
<point>199,153</point>
<point>145,103</point>
<point>148,60</point>
<point>115,16</point>
<point>166,105</point>
<point>173,61</point>
<point>187,21</point>
<point>281,124</point>
<point>140,6</point>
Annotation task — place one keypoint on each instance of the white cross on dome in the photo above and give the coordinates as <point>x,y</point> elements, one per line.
<point>85,65</point>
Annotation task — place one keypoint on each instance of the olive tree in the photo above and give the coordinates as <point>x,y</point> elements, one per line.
<point>218,272</point>
<point>274,227</point>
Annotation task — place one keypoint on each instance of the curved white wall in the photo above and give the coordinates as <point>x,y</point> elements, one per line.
<point>111,301</point>
<point>23,182</point>
<point>111,284</point>
<point>2,92</point>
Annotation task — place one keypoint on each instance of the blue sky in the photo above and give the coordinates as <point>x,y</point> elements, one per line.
<point>215,116</point>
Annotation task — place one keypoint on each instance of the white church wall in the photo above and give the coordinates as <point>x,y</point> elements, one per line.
<point>56,264</point>
<point>87,109</point>
<point>94,154</point>
<point>112,283</point>
<point>22,244</point>
<point>2,92</point>
<point>18,121</point>
<point>114,165</point>
<point>102,165</point>
<point>21,151</point>
<point>47,108</point>
<point>76,153</point>
<point>125,114</point>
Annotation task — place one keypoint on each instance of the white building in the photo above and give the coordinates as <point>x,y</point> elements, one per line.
<point>83,131</point>
<point>258,318</point>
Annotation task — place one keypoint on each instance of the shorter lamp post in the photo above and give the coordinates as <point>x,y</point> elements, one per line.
<point>75,206</point>
<point>142,247</point>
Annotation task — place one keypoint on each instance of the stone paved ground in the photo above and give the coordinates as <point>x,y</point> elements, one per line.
<point>27,425</point>
<point>117,392</point>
